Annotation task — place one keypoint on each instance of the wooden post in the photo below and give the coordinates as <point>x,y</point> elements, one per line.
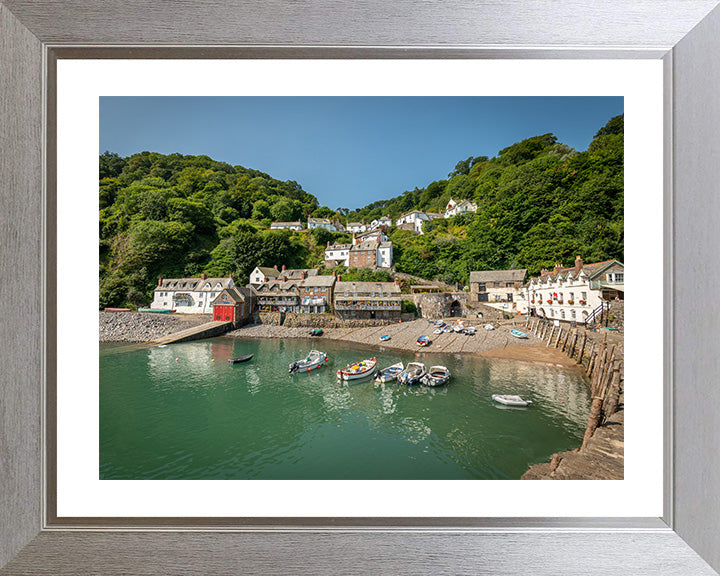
<point>613,396</point>
<point>591,361</point>
<point>593,420</point>
<point>582,348</point>
<point>565,341</point>
<point>573,344</point>
<point>557,340</point>
<point>551,335</point>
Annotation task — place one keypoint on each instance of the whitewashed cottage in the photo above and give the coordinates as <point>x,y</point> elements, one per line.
<point>189,295</point>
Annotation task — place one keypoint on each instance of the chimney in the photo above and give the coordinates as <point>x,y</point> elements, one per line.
<point>578,264</point>
<point>543,271</point>
<point>397,282</point>
<point>266,279</point>
<point>283,268</point>
<point>335,273</point>
<point>328,244</point>
<point>159,281</point>
<point>275,267</point>
<point>354,240</point>
<point>557,268</point>
<point>203,276</point>
<point>284,278</point>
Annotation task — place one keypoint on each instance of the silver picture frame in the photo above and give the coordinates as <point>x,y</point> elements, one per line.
<point>683,33</point>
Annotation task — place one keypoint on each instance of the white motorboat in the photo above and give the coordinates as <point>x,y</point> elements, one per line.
<point>389,373</point>
<point>470,330</point>
<point>489,327</point>
<point>436,376</point>
<point>313,360</point>
<point>357,370</point>
<point>509,400</point>
<point>412,374</point>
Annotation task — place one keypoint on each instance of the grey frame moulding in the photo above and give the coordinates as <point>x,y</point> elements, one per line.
<point>683,32</point>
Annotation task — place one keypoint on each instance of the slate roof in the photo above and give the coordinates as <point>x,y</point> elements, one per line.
<point>193,284</point>
<point>498,275</point>
<point>366,288</point>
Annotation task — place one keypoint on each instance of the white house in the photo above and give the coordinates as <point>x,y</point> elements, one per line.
<point>573,294</point>
<point>356,227</point>
<point>454,208</point>
<point>286,226</point>
<point>415,218</point>
<point>189,295</point>
<point>262,274</point>
<point>385,221</point>
<point>369,250</point>
<point>324,223</point>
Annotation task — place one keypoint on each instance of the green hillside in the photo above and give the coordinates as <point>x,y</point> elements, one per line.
<point>539,202</point>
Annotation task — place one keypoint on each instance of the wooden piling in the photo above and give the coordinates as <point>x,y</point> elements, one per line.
<point>612,398</point>
<point>557,340</point>
<point>551,335</point>
<point>582,348</point>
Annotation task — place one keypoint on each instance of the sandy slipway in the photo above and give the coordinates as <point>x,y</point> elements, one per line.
<point>498,343</point>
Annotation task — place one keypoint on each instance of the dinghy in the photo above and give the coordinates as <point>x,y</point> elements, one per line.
<point>437,331</point>
<point>436,376</point>
<point>424,341</point>
<point>240,359</point>
<point>518,334</point>
<point>509,400</point>
<point>470,330</point>
<point>385,338</point>
<point>313,360</point>
<point>389,373</point>
<point>357,370</point>
<point>412,374</point>
<point>489,327</point>
<point>316,332</point>
<point>447,328</point>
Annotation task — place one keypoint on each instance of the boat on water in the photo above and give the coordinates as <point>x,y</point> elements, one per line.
<point>314,359</point>
<point>424,341</point>
<point>358,370</point>
<point>412,374</point>
<point>389,373</point>
<point>436,376</point>
<point>316,332</point>
<point>154,311</point>
<point>240,359</point>
<point>385,338</point>
<point>509,400</point>
<point>518,334</point>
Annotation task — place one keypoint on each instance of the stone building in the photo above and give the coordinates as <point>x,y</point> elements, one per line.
<point>368,250</point>
<point>501,289</point>
<point>297,226</point>
<point>235,305</point>
<point>316,294</point>
<point>326,223</point>
<point>368,300</point>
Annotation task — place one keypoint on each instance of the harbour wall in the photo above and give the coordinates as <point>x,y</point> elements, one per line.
<point>295,320</point>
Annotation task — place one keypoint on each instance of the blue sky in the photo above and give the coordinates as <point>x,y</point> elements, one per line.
<point>347,151</point>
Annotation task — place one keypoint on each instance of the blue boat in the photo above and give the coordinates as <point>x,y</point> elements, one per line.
<point>423,341</point>
<point>518,334</point>
<point>385,338</point>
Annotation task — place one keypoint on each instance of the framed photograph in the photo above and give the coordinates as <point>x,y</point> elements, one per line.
<point>74,502</point>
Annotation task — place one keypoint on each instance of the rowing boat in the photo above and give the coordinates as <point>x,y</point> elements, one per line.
<point>357,370</point>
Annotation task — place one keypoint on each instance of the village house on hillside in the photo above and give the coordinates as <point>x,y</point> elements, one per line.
<point>304,293</point>
<point>297,226</point>
<point>189,295</point>
<point>356,227</point>
<point>383,221</point>
<point>368,300</point>
<point>501,289</point>
<point>414,220</point>
<point>577,293</point>
<point>325,223</point>
<point>316,294</point>
<point>370,249</point>
<point>454,208</point>
<point>262,274</point>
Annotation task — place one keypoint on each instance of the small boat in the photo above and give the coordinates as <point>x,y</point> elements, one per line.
<point>358,370</point>
<point>316,332</point>
<point>155,311</point>
<point>518,334</point>
<point>424,341</point>
<point>470,330</point>
<point>436,376</point>
<point>439,323</point>
<point>508,400</point>
<point>240,359</point>
<point>412,374</point>
<point>389,373</point>
<point>447,328</point>
<point>161,346</point>
<point>437,331</point>
<point>489,327</point>
<point>314,359</point>
<point>385,338</point>
<point>459,326</point>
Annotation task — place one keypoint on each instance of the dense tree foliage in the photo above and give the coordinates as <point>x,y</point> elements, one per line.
<point>539,202</point>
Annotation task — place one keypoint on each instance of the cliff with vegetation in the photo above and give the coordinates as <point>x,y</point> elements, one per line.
<point>539,202</point>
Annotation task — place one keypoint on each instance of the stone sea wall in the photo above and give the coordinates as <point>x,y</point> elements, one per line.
<point>141,327</point>
<point>295,320</point>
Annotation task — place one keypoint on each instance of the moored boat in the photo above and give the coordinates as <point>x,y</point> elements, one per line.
<point>385,338</point>
<point>470,330</point>
<point>389,373</point>
<point>489,327</point>
<point>447,328</point>
<point>240,359</point>
<point>518,334</point>
<point>314,359</point>
<point>436,376</point>
<point>412,374</point>
<point>424,341</point>
<point>357,370</point>
<point>437,331</point>
<point>316,332</point>
<point>155,311</point>
<point>509,400</point>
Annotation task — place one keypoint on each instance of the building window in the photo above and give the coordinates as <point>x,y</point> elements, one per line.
<point>572,314</point>
<point>497,284</point>
<point>562,314</point>
<point>552,313</point>
<point>584,296</point>
<point>481,287</point>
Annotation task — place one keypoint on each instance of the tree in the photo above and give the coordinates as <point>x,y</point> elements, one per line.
<point>283,210</point>
<point>261,210</point>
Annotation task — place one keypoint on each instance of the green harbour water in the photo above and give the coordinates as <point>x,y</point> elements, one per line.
<point>182,412</point>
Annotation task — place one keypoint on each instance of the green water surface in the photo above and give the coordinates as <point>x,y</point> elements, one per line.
<point>182,412</point>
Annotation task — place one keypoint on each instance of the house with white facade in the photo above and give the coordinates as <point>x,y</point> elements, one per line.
<point>454,208</point>
<point>325,223</point>
<point>297,226</point>
<point>501,289</point>
<point>189,295</point>
<point>383,221</point>
<point>414,220</point>
<point>356,227</point>
<point>263,273</point>
<point>576,294</point>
